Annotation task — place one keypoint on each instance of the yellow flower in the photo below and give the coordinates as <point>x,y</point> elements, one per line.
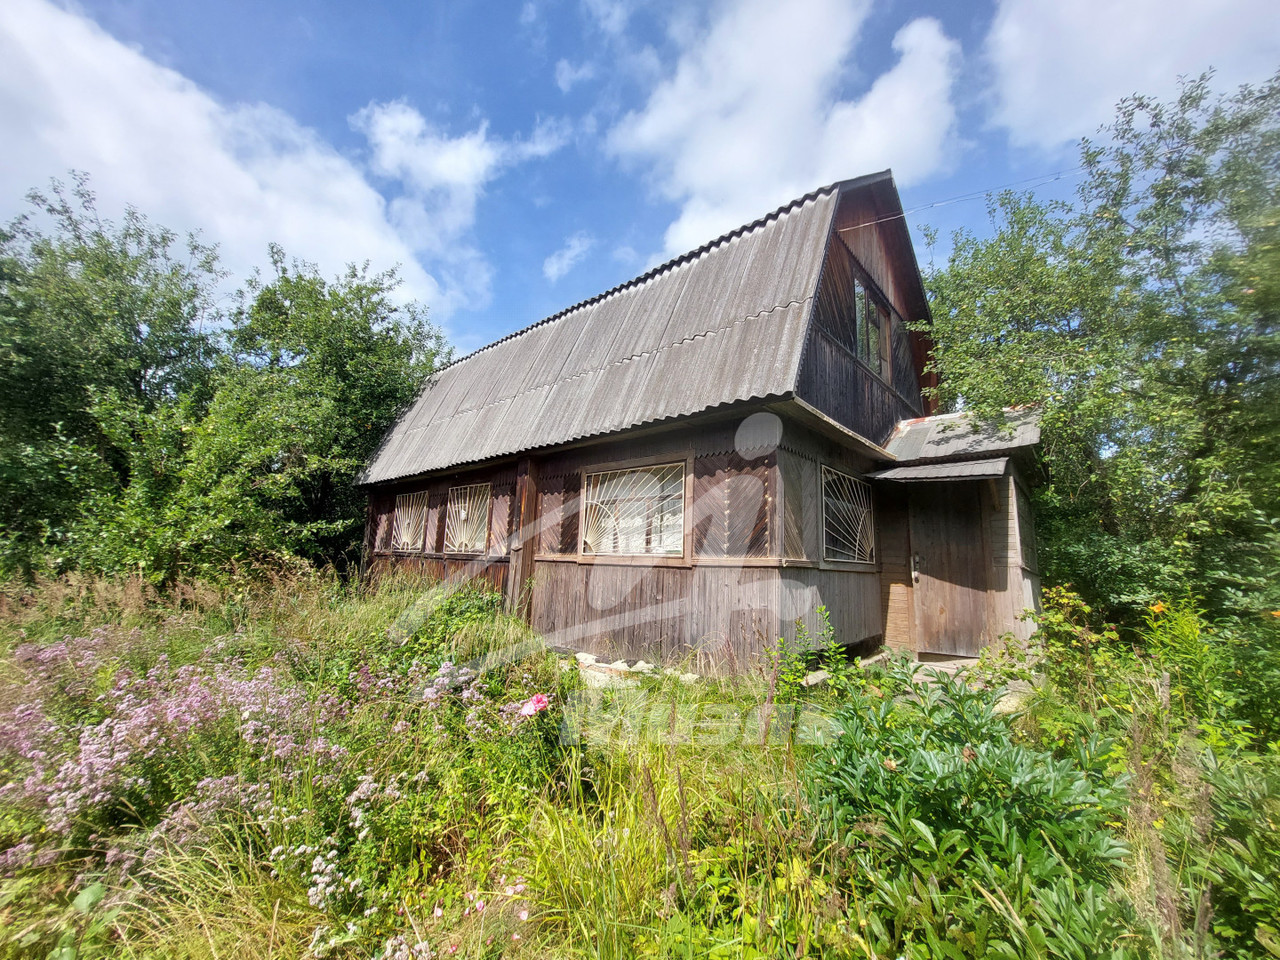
<point>1157,607</point>
<point>1275,613</point>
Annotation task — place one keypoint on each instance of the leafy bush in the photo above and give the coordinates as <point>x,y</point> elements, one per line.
<point>1243,829</point>
<point>962,841</point>
<point>131,439</point>
<point>1252,673</point>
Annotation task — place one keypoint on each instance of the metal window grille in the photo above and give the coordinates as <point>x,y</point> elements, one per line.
<point>847,529</point>
<point>634,512</point>
<point>466,523</point>
<point>409,526</point>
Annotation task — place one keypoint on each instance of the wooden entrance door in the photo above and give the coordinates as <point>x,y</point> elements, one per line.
<point>948,544</point>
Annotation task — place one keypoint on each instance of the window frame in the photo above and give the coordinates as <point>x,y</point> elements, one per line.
<point>488,521</point>
<point>684,559</point>
<point>1025,524</point>
<point>409,497</point>
<point>869,299</point>
<point>824,558</point>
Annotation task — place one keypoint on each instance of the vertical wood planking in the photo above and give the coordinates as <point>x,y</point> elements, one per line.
<point>525,537</point>
<point>500,518</point>
<point>949,532</point>
<point>719,612</point>
<point>733,505</point>
<point>894,535</point>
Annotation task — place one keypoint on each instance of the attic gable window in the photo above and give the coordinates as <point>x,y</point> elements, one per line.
<point>872,317</point>
<point>848,533</point>
<point>634,512</point>
<point>409,524</point>
<point>853,312</point>
<point>466,523</point>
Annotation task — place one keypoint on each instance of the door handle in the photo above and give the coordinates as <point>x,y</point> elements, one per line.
<point>915,568</point>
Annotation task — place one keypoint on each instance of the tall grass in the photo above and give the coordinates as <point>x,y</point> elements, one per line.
<point>333,780</point>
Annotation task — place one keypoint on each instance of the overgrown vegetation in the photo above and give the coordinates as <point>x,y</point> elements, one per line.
<point>301,769</point>
<point>144,428</point>
<point>1144,320</point>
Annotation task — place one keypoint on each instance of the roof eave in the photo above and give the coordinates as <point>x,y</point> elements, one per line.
<point>709,414</point>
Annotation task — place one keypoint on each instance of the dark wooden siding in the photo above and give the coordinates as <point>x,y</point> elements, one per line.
<point>906,381</point>
<point>437,501</point>
<point>838,384</point>
<point>500,517</point>
<point>724,602</point>
<point>558,513</point>
<point>834,311</point>
<point>832,378</point>
<point>491,572</point>
<point>732,506</point>
<point>719,616</point>
<point>382,505</point>
<point>869,242</point>
<point>893,543</point>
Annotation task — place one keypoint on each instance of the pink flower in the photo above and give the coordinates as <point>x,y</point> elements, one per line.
<point>438,911</point>
<point>535,704</point>
<point>524,914</point>
<point>515,936</point>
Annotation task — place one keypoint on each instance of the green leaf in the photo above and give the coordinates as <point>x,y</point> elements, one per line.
<point>89,897</point>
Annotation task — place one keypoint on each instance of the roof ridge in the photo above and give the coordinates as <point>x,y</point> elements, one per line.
<point>660,268</point>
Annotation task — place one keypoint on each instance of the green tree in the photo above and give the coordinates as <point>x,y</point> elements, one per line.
<point>317,372</point>
<point>1143,319</point>
<point>143,430</point>
<point>101,325</point>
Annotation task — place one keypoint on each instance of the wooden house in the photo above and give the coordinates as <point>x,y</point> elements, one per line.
<point>700,458</point>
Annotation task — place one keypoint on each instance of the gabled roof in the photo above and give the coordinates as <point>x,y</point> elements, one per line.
<point>722,324</point>
<point>957,436</point>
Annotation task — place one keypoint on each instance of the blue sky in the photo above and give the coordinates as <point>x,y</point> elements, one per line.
<point>517,157</point>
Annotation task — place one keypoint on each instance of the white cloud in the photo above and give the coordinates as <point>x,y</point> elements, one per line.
<point>611,16</point>
<point>71,96</point>
<point>567,75</point>
<point>443,178</point>
<point>1060,68</point>
<point>528,13</point>
<point>568,256</point>
<point>741,124</point>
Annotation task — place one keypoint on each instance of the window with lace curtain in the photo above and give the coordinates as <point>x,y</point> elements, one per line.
<point>466,521</point>
<point>636,512</point>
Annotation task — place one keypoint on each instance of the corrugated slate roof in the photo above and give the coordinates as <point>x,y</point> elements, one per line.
<point>721,324</point>
<point>957,435</point>
<point>963,470</point>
